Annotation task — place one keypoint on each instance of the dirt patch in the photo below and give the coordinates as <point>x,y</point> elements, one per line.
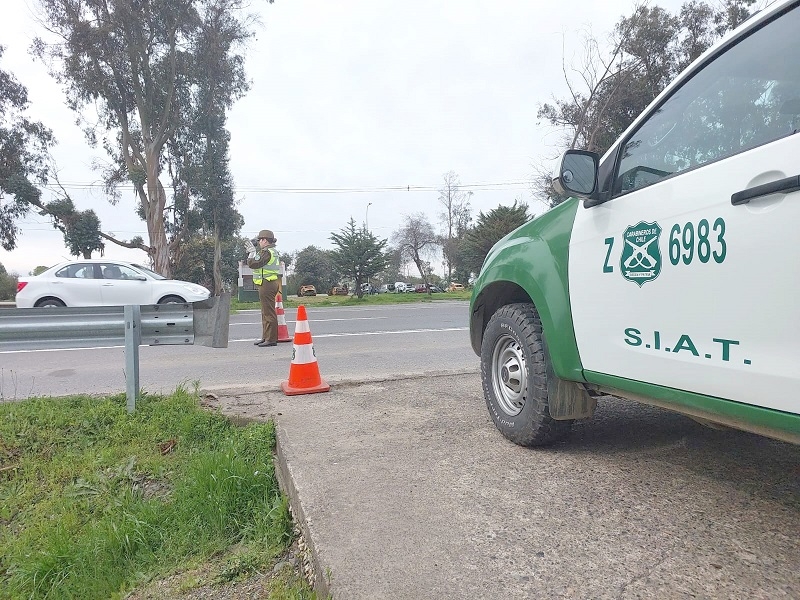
<point>212,579</point>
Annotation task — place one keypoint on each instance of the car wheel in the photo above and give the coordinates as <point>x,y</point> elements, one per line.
<point>171,300</point>
<point>514,377</point>
<point>50,303</point>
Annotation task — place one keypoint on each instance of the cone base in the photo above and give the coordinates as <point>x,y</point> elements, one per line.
<point>295,391</point>
<point>284,340</point>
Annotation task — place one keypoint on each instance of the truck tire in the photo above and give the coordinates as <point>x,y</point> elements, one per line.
<point>514,377</point>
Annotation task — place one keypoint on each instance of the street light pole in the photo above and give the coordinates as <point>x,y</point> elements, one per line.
<point>366,217</point>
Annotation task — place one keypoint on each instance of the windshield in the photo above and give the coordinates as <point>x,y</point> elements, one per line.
<point>147,271</point>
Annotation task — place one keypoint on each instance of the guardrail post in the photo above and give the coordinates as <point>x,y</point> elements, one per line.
<point>133,319</point>
<point>212,321</point>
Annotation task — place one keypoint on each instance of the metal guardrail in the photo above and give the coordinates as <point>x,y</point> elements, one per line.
<point>204,323</point>
<point>88,327</point>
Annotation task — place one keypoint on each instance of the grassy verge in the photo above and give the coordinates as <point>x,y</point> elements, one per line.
<point>95,502</point>
<point>374,299</point>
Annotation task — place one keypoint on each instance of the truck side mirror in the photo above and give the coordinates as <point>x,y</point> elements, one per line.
<point>577,173</point>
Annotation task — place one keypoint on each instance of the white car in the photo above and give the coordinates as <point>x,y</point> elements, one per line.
<point>99,282</point>
<point>671,277</point>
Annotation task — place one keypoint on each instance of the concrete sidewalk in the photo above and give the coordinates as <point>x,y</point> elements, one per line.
<point>404,489</point>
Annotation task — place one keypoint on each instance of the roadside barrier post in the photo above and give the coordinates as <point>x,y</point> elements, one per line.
<point>133,337</point>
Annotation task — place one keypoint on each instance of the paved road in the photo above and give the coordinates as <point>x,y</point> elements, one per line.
<point>350,342</point>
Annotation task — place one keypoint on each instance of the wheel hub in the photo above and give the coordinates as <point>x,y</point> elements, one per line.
<point>509,375</point>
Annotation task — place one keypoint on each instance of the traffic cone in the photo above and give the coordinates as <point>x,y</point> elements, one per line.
<point>283,330</point>
<point>304,377</point>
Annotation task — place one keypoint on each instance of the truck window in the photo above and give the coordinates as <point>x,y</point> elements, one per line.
<point>746,97</point>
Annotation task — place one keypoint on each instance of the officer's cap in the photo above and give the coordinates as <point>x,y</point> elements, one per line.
<point>267,235</point>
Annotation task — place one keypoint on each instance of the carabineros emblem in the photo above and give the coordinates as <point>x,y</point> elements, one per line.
<point>641,258</point>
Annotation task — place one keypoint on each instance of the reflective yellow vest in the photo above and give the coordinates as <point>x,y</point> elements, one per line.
<point>268,272</point>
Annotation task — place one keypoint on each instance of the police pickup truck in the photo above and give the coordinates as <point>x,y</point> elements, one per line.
<point>672,276</point>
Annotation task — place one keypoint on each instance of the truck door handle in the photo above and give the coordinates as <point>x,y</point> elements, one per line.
<point>789,184</point>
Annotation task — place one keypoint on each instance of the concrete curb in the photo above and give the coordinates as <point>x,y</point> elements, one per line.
<point>286,481</point>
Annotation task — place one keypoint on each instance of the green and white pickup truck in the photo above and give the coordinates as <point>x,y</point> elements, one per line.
<point>672,277</point>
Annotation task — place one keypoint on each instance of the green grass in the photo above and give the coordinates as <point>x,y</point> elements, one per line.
<point>374,299</point>
<point>95,501</point>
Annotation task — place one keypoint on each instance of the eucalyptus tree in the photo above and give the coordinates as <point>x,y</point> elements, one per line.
<point>23,158</point>
<point>358,255</point>
<point>198,153</point>
<point>139,65</point>
<point>81,228</point>
<point>197,262</point>
<point>26,167</point>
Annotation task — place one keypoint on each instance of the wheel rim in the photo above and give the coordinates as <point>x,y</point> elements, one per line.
<point>509,375</point>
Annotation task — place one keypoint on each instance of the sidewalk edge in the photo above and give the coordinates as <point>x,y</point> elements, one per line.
<point>286,483</point>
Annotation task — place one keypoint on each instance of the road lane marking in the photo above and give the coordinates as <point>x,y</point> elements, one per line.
<point>354,334</point>
<point>317,336</point>
<point>360,333</point>
<point>320,320</point>
<point>374,308</point>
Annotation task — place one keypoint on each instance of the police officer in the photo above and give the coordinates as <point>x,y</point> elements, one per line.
<point>266,271</point>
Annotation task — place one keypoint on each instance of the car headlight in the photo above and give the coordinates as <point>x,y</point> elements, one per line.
<point>196,289</point>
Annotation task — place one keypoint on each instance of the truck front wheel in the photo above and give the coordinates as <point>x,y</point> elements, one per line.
<point>514,377</point>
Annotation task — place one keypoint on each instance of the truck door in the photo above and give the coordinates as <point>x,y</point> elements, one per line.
<point>689,276</point>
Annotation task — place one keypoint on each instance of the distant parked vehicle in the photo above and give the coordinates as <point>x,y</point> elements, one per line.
<point>307,290</point>
<point>401,286</point>
<point>368,288</point>
<point>339,291</point>
<point>455,287</point>
<point>421,289</point>
<point>387,288</point>
<point>101,282</point>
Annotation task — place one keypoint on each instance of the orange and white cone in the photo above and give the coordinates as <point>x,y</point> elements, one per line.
<point>283,330</point>
<point>304,377</point>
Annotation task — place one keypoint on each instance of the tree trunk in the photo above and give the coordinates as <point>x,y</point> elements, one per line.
<point>154,211</point>
<point>217,261</point>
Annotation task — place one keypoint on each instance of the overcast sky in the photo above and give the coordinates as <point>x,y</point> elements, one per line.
<point>352,97</point>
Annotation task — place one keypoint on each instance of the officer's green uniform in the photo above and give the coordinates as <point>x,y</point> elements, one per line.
<point>266,271</point>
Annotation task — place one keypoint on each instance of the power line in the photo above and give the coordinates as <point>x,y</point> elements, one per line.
<point>502,185</point>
